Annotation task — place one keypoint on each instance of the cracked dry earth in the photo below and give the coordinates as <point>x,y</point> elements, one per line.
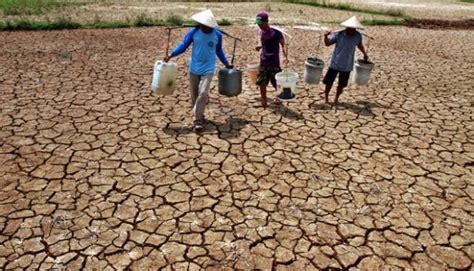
<point>98,174</point>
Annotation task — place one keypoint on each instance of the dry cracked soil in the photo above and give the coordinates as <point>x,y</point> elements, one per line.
<point>99,174</point>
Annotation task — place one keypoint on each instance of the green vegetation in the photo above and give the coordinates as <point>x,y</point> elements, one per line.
<point>175,20</point>
<point>223,22</point>
<point>33,7</point>
<point>382,22</point>
<point>348,7</point>
<point>467,1</point>
<point>374,22</point>
<point>67,23</point>
<point>26,24</point>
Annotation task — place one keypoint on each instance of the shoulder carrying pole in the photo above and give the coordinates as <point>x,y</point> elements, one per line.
<point>233,52</point>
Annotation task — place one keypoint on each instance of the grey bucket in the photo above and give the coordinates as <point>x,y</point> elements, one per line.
<point>313,70</point>
<point>230,82</point>
<point>362,70</point>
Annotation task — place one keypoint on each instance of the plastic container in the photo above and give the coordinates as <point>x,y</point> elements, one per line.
<point>313,70</point>
<point>164,77</point>
<point>230,82</point>
<point>286,80</point>
<point>362,70</point>
<point>252,70</point>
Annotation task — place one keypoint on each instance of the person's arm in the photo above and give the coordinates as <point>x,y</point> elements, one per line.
<point>329,38</point>
<point>362,49</point>
<point>220,53</point>
<point>181,48</point>
<point>284,48</point>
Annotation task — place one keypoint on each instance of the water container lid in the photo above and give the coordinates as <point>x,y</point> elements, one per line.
<point>362,61</point>
<point>287,73</point>
<point>314,61</point>
<point>224,69</point>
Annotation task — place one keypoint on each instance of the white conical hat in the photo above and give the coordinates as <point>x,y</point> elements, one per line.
<point>206,18</point>
<point>352,22</point>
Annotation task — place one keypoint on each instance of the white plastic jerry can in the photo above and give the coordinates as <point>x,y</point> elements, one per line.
<point>164,77</point>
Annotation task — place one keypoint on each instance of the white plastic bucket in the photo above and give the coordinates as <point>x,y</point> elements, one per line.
<point>286,80</point>
<point>313,70</point>
<point>252,70</point>
<point>362,70</point>
<point>164,77</point>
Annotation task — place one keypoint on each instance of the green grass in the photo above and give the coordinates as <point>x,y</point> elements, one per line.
<point>26,24</point>
<point>348,7</point>
<point>467,1</point>
<point>223,22</point>
<point>175,20</point>
<point>30,7</point>
<point>33,7</point>
<point>67,23</point>
<point>374,22</point>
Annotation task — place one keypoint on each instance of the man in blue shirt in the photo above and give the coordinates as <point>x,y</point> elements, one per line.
<point>207,43</point>
<point>342,60</point>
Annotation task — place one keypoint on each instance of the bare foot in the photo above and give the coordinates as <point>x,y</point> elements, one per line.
<point>262,105</point>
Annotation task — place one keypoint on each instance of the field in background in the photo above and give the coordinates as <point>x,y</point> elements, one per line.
<point>55,14</point>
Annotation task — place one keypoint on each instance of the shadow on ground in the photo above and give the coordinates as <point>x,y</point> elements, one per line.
<point>286,112</point>
<point>230,129</point>
<point>363,108</point>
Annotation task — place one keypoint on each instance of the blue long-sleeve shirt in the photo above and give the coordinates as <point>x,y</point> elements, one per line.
<point>205,48</point>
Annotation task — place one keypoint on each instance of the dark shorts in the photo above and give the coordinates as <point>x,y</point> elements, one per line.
<point>267,75</point>
<point>331,76</point>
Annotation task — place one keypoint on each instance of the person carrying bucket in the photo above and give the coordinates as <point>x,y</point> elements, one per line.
<point>207,43</point>
<point>342,60</point>
<point>270,41</point>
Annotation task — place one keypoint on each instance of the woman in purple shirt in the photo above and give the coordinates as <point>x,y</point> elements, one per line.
<point>270,39</point>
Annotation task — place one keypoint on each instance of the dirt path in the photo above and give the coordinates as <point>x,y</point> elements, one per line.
<point>440,24</point>
<point>98,173</point>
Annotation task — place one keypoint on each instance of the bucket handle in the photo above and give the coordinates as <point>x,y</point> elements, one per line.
<point>233,52</point>
<point>368,46</point>
<point>364,34</point>
<point>319,45</point>
<point>235,44</point>
<point>168,42</point>
<point>368,42</point>
<point>289,70</point>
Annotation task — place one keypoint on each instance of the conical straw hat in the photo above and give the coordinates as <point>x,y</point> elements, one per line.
<point>206,18</point>
<point>352,22</point>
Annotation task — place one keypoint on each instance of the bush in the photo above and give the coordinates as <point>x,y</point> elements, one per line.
<point>30,7</point>
<point>25,24</point>
<point>224,22</point>
<point>174,20</point>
